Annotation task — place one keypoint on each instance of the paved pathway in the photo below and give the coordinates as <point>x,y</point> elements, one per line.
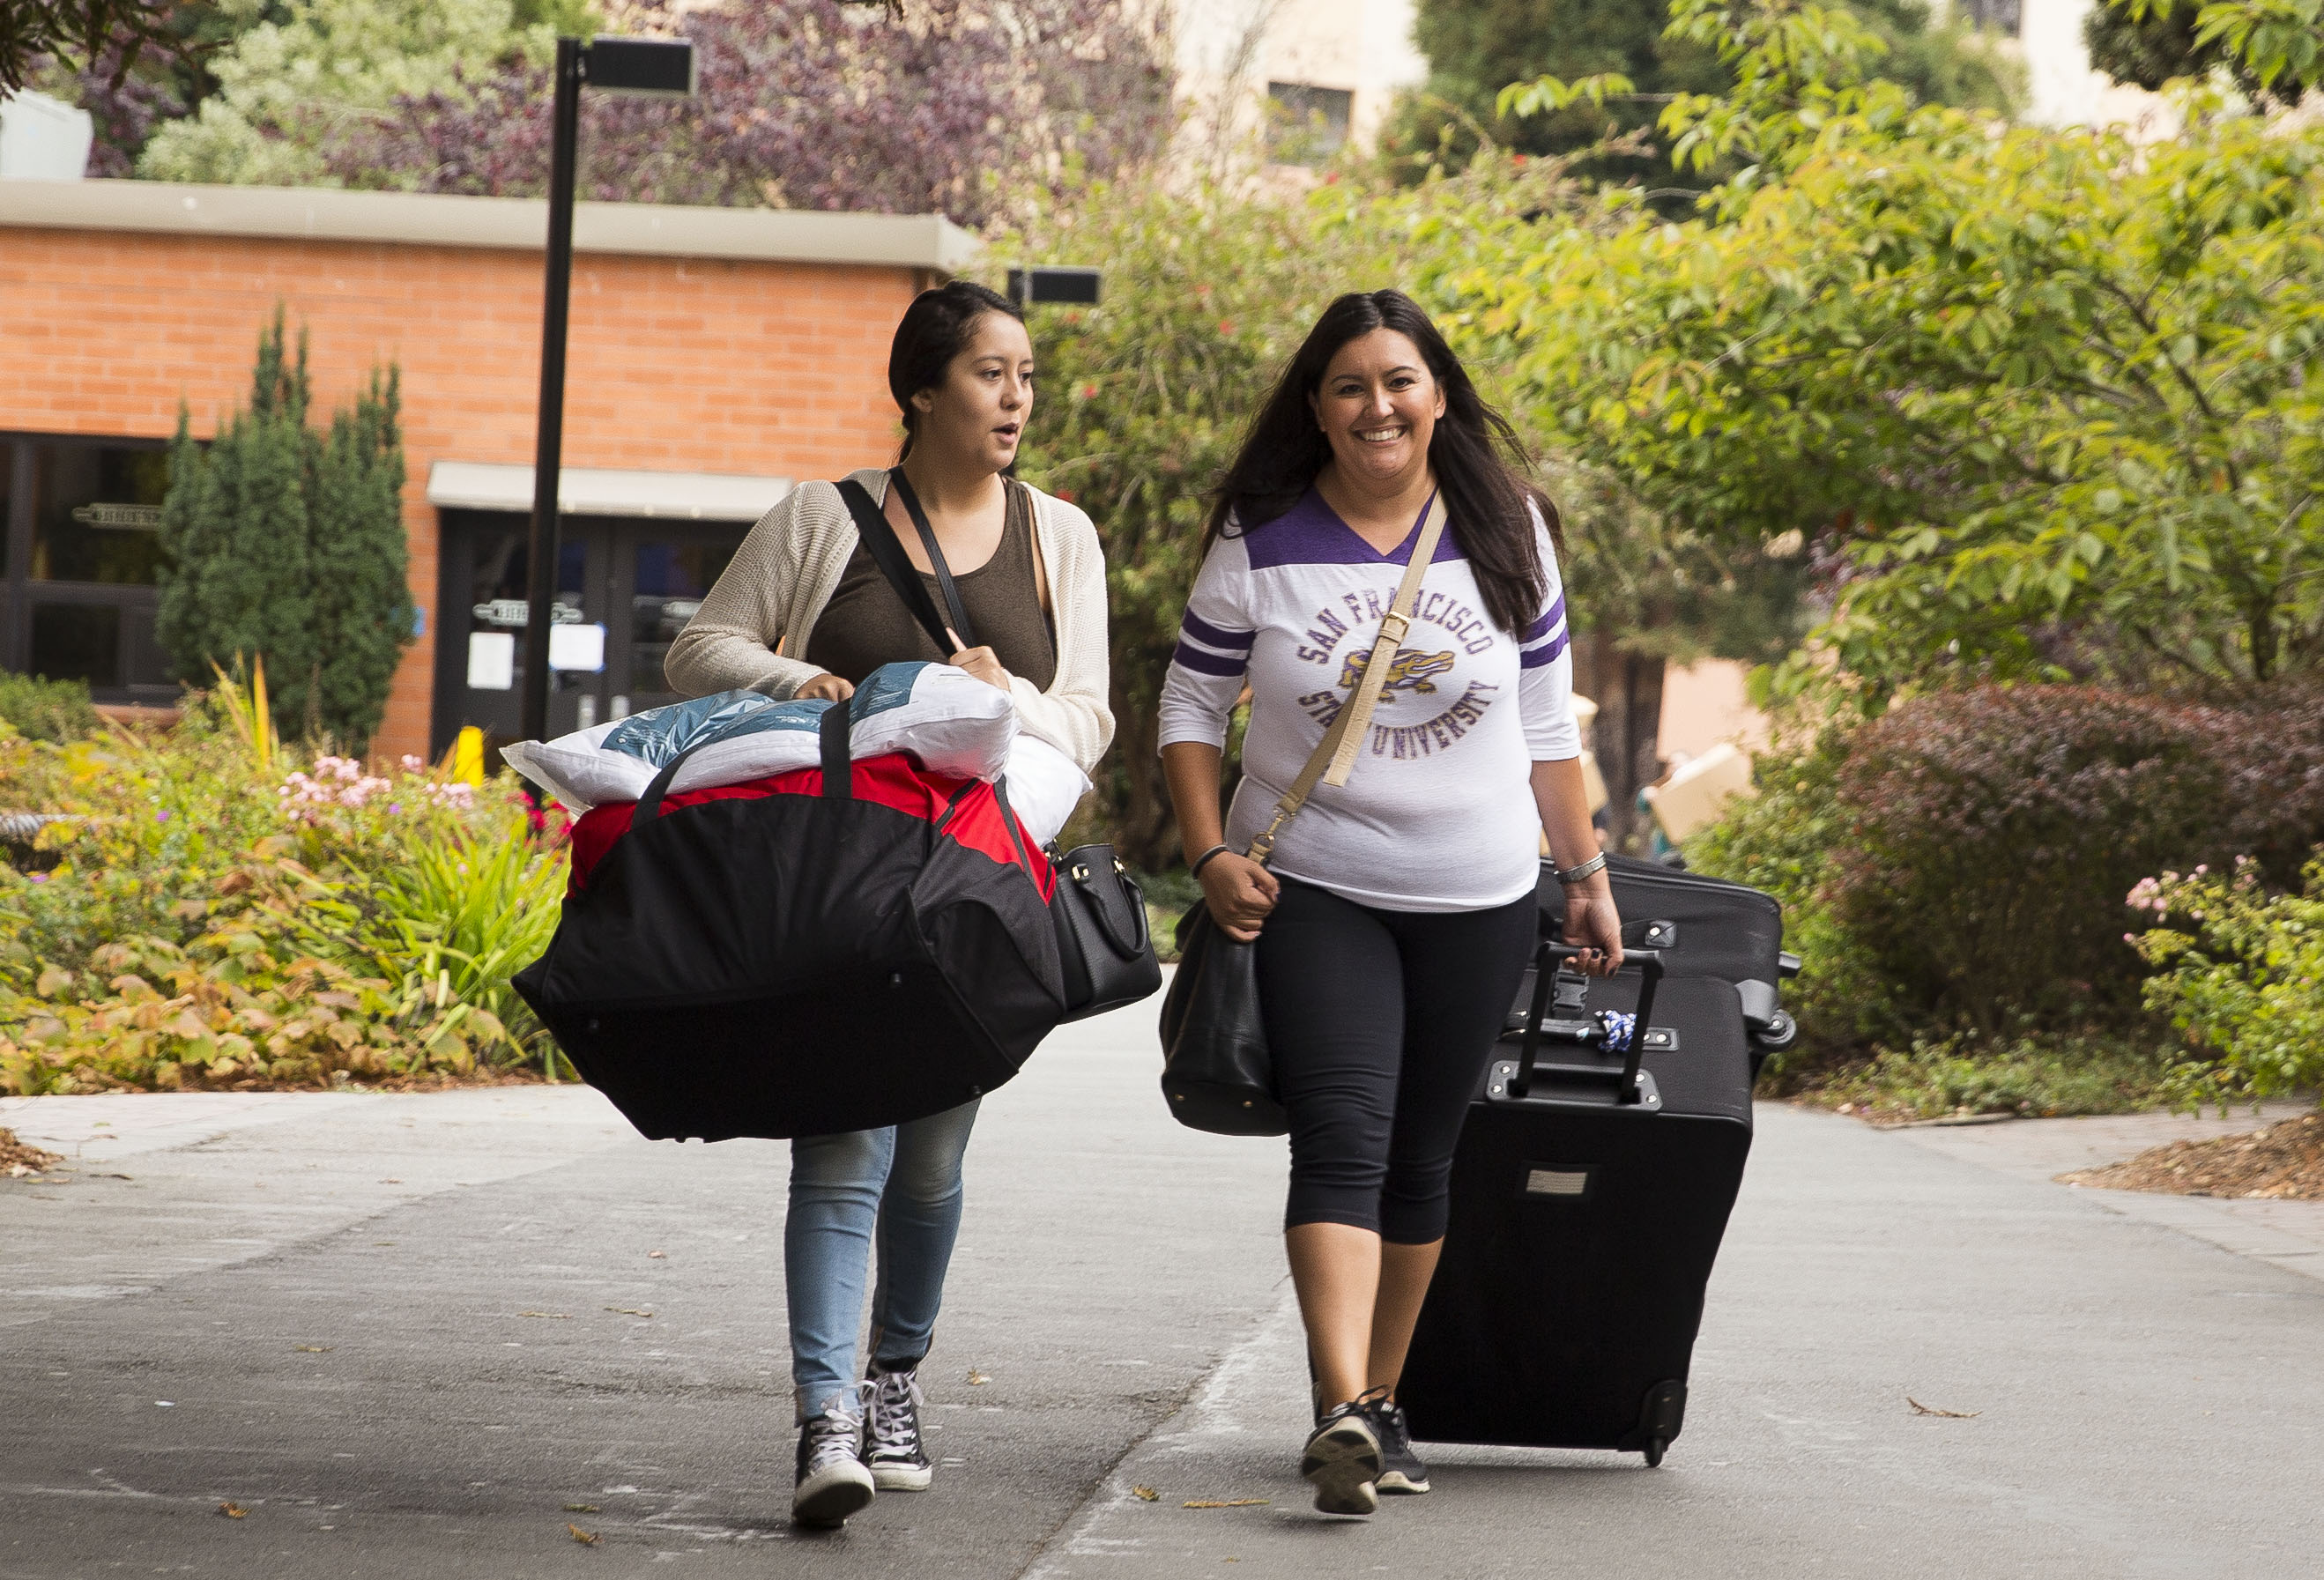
<point>404,1333</point>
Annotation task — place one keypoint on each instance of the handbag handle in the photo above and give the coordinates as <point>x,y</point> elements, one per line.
<point>1129,949</point>
<point>1335,755</point>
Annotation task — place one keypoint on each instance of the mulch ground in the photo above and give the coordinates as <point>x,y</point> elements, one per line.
<point>2284,1162</point>
<point>18,1159</point>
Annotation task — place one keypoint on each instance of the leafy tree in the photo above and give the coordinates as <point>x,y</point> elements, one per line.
<point>2049,400</point>
<point>1476,48</point>
<point>809,105</point>
<point>34,32</point>
<point>287,545</point>
<point>288,88</point>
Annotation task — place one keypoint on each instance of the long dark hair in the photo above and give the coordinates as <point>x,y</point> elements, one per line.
<point>935,330</point>
<point>1476,454</point>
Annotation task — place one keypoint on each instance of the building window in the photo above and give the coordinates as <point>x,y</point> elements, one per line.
<point>1306,125</point>
<point>98,516</point>
<point>2002,16</point>
<point>81,558</point>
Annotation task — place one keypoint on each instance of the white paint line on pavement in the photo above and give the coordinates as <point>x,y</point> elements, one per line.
<point>1242,1394</point>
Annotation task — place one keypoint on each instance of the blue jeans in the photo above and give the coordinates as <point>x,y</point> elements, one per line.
<point>902,1181</point>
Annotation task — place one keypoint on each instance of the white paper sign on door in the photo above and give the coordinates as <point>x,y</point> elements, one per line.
<point>492,660</point>
<point>576,647</point>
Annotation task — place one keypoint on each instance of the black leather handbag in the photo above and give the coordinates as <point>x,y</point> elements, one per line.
<point>1216,1074</point>
<point>1104,940</point>
<point>1216,1071</point>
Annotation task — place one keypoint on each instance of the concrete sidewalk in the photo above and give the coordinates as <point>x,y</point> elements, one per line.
<point>405,1333</point>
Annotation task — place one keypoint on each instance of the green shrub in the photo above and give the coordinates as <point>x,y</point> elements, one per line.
<point>46,710</point>
<point>286,546</point>
<point>219,916</point>
<point>1993,832</point>
<point>1782,839</point>
<point>2242,975</point>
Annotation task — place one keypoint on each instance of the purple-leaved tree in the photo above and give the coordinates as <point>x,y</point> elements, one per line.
<point>813,104</point>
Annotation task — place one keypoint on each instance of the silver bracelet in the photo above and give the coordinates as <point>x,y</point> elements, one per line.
<point>1574,874</point>
<point>1195,868</point>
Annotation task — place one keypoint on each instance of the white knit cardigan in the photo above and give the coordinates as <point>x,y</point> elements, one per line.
<point>788,568</point>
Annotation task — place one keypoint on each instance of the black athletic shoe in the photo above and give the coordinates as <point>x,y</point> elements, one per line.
<point>832,1482</point>
<point>1400,1468</point>
<point>1343,1460</point>
<point>892,1446</point>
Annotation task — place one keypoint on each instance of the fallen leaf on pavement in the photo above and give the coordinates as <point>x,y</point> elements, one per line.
<point>581,1508</point>
<point>619,1310</point>
<point>314,1349</point>
<point>1953,1415</point>
<point>233,1511</point>
<point>977,1379</point>
<point>1224,1503</point>
<point>1149,1493</point>
<point>585,1537</point>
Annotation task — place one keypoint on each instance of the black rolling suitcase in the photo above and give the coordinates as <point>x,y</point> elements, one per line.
<point>1594,1178</point>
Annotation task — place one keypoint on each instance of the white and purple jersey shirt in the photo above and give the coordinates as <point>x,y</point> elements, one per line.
<point>1438,814</point>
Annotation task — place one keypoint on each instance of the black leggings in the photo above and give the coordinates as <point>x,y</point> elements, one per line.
<point>1381,1024</point>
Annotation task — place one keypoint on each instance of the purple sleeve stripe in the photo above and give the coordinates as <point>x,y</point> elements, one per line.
<point>1541,627</point>
<point>1189,657</point>
<point>1535,657</point>
<point>1210,636</point>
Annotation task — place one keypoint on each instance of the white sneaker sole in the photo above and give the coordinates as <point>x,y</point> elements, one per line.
<point>831,1494</point>
<point>1342,1462</point>
<point>902,1478</point>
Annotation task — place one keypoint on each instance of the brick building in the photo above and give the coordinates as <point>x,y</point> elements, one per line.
<point>716,355</point>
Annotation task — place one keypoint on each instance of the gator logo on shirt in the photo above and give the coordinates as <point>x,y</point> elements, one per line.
<point>1408,671</point>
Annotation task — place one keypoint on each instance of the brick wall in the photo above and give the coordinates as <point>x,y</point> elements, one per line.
<point>675,364</point>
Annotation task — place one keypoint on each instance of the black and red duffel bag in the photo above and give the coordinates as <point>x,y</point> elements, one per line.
<point>833,948</point>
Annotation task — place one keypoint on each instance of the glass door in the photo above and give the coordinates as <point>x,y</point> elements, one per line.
<point>603,665</point>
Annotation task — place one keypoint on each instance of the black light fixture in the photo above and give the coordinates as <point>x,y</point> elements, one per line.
<point>637,68</point>
<point>1053,282</point>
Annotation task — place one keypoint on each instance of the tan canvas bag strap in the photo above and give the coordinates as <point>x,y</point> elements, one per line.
<point>1337,749</point>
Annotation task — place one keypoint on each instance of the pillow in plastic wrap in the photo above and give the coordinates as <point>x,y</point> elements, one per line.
<point>945,718</point>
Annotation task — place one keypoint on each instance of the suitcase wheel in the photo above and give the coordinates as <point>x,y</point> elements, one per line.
<point>1654,1452</point>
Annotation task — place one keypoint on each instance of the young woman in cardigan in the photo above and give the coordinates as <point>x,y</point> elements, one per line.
<point>1397,915</point>
<point>804,612</point>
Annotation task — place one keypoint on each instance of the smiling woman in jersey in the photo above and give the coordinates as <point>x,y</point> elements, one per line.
<point>1395,914</point>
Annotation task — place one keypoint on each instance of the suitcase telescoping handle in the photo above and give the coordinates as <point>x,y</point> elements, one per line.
<point>1649,962</point>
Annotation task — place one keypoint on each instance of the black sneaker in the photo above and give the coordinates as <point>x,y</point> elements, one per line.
<point>1400,1468</point>
<point>1343,1460</point>
<point>892,1446</point>
<point>832,1482</point>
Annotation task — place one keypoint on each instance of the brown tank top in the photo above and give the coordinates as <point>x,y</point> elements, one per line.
<point>866,625</point>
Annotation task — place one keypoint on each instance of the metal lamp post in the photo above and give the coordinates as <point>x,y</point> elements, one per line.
<point>643,67</point>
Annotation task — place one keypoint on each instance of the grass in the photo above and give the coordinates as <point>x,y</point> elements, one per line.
<point>1957,1078</point>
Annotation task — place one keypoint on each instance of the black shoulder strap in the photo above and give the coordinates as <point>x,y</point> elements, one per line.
<point>953,605</point>
<point>838,766</point>
<point>887,553</point>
